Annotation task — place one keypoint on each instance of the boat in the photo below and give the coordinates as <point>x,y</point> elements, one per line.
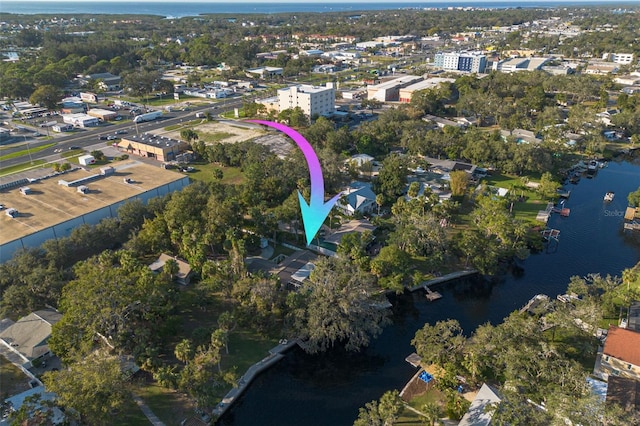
<point>593,165</point>
<point>609,196</point>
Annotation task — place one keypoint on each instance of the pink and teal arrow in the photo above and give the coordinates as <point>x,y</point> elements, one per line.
<point>314,213</point>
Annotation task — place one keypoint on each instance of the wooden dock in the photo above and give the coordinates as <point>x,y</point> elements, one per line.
<point>444,279</point>
<point>534,302</point>
<point>432,295</point>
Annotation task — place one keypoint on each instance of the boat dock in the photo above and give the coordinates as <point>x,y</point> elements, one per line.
<point>432,295</point>
<point>534,302</point>
<point>443,279</point>
<point>275,355</point>
<point>551,234</point>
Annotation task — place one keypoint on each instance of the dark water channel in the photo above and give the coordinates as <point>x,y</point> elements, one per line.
<point>328,389</point>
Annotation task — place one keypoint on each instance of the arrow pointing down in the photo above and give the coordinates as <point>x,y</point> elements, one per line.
<point>314,213</point>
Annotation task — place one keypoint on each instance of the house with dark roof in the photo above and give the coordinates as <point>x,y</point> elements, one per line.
<point>624,392</point>
<point>621,353</point>
<point>27,338</point>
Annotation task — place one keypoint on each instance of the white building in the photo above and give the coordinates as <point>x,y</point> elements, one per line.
<point>520,64</point>
<point>474,62</point>
<point>313,100</point>
<point>80,120</point>
<point>619,58</point>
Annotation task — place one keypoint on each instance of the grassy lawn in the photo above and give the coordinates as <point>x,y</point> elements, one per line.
<point>411,418</point>
<point>20,167</point>
<point>245,349</point>
<point>575,345</point>
<point>132,415</point>
<point>13,380</point>
<point>214,137</point>
<point>522,210</point>
<point>26,151</point>
<point>170,406</point>
<point>204,172</point>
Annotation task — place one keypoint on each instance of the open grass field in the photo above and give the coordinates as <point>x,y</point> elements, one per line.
<point>205,172</point>
<point>170,406</point>
<point>20,167</point>
<point>533,202</point>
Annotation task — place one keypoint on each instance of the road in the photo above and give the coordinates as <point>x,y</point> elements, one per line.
<point>91,136</point>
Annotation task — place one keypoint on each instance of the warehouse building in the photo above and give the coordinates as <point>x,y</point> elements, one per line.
<point>389,91</point>
<point>54,206</point>
<point>153,146</point>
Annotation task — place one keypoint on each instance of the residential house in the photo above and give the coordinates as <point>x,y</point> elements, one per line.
<point>621,353</point>
<point>108,81</point>
<point>27,338</point>
<point>521,136</point>
<point>357,198</point>
<point>183,276</point>
<point>478,413</point>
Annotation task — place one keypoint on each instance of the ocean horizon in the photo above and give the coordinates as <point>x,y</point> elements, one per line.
<point>171,9</point>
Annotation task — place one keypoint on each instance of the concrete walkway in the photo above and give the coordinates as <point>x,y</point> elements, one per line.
<point>147,411</point>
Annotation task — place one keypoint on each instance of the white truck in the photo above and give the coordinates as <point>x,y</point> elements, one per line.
<point>150,116</point>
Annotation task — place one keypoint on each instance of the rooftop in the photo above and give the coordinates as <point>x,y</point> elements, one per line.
<point>150,139</point>
<point>623,344</point>
<point>29,335</point>
<point>51,204</point>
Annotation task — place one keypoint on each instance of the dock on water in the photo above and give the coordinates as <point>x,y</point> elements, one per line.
<point>534,302</point>
<point>443,279</point>
<point>432,295</point>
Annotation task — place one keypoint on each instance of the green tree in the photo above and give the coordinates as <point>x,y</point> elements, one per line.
<point>392,178</point>
<point>92,388</point>
<point>336,306</point>
<point>459,182</point>
<point>548,186</point>
<point>47,96</point>
<point>440,343</point>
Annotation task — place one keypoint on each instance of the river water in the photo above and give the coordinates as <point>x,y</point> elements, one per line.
<point>328,389</point>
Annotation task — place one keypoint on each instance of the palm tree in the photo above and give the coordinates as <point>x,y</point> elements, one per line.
<point>184,351</point>
<point>431,412</point>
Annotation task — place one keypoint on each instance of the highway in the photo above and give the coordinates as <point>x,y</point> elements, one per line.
<point>91,136</point>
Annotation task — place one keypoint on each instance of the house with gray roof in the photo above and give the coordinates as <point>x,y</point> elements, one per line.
<point>357,198</point>
<point>27,338</point>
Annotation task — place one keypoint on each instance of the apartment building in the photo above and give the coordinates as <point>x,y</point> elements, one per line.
<point>313,100</point>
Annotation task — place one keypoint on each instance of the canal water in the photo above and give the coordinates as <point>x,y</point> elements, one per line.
<point>328,389</point>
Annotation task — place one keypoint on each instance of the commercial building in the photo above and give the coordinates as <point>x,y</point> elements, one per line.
<point>619,58</point>
<point>102,114</point>
<point>390,90</point>
<point>80,120</point>
<point>406,93</point>
<point>520,64</point>
<point>265,72</point>
<point>153,146</point>
<point>54,208</point>
<point>474,62</point>
<point>313,100</point>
